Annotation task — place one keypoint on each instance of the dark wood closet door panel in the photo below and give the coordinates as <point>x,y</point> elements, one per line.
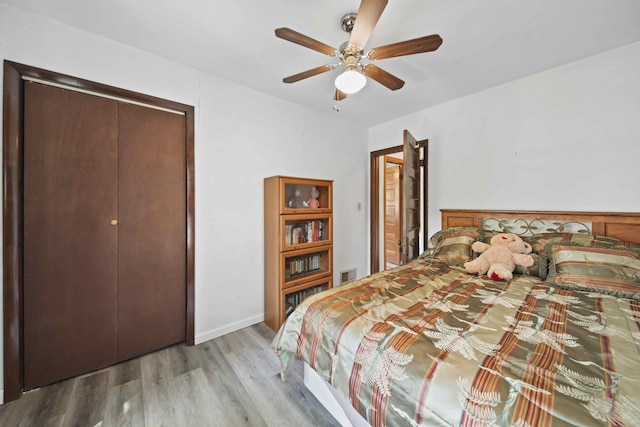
<point>70,248</point>
<point>152,225</point>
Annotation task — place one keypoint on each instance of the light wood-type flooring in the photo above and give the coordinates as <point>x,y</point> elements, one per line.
<point>233,380</point>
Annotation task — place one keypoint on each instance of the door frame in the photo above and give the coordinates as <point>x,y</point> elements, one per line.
<point>374,196</point>
<point>12,198</point>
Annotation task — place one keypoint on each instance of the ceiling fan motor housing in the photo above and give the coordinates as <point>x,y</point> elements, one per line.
<point>348,21</point>
<point>351,62</point>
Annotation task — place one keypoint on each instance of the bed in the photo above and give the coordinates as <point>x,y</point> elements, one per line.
<point>429,344</point>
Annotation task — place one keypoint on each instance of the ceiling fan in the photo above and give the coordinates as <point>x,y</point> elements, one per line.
<point>350,54</point>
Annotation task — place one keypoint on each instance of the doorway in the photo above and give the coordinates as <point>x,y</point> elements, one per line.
<point>392,206</point>
<point>415,210</point>
<point>16,78</point>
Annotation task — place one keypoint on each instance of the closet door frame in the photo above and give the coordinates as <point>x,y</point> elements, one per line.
<point>12,197</point>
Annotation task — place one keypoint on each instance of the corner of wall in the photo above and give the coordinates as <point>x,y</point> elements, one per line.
<point>227,329</point>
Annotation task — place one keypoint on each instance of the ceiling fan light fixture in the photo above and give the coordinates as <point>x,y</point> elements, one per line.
<point>350,82</point>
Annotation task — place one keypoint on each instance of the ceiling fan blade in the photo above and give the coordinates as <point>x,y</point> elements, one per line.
<point>366,19</point>
<point>339,95</point>
<point>382,77</point>
<point>309,73</point>
<point>298,38</point>
<point>409,47</point>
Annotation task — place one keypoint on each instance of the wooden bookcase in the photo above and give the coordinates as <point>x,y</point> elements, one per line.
<point>298,243</point>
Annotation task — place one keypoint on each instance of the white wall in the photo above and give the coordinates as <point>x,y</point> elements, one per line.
<point>563,139</point>
<point>241,137</point>
<point>576,125</point>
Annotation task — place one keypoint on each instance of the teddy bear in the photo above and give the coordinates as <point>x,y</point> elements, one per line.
<point>499,258</point>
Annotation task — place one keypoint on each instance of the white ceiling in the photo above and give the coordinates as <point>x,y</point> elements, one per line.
<point>486,42</point>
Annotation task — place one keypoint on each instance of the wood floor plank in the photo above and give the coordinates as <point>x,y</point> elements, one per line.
<point>125,405</point>
<point>266,394</point>
<point>257,351</point>
<point>308,405</point>
<point>233,405</point>
<point>156,389</point>
<point>262,391</point>
<point>183,359</point>
<point>252,360</point>
<point>125,372</point>
<point>87,400</point>
<point>229,381</point>
<point>20,412</point>
<point>197,401</point>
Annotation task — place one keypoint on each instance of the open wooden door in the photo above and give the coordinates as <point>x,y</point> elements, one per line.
<point>411,199</point>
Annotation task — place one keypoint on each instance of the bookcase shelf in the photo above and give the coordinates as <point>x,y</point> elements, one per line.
<point>304,265</point>
<point>298,224</point>
<point>304,231</point>
<point>295,295</point>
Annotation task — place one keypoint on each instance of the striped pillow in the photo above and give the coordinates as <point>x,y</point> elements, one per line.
<point>538,269</point>
<point>613,270</point>
<point>453,245</point>
<point>540,241</point>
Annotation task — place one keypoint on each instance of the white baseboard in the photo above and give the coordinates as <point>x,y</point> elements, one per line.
<point>227,329</point>
<point>1,396</point>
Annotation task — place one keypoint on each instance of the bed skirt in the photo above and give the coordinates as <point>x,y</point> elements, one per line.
<point>332,400</point>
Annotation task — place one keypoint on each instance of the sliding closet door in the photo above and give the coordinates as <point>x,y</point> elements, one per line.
<point>152,225</point>
<point>70,246</point>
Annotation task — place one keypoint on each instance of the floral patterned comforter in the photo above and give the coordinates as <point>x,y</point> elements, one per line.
<point>429,344</point>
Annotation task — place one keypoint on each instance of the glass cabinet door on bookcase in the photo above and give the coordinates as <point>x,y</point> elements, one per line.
<point>304,231</point>
<point>295,295</point>
<point>304,265</point>
<point>305,196</point>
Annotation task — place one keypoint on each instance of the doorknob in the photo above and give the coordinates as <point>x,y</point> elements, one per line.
<point>114,222</point>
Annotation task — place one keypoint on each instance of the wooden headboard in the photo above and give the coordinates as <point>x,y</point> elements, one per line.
<point>621,225</point>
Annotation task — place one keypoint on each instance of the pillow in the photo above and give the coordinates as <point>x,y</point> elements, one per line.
<point>613,270</point>
<point>540,241</point>
<point>538,269</point>
<point>453,245</point>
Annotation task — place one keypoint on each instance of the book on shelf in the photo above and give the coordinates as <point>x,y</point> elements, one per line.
<point>287,234</point>
<point>302,264</point>
<point>295,298</point>
<point>304,232</point>
<point>289,308</point>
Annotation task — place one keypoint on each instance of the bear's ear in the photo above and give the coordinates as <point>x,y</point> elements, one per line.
<point>510,239</point>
